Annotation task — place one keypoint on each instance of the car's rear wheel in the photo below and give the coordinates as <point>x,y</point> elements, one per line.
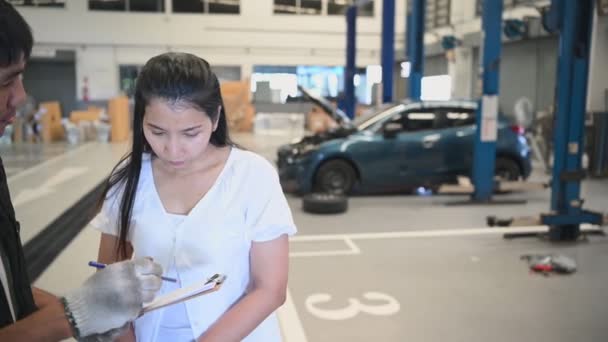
<point>335,176</point>
<point>507,169</point>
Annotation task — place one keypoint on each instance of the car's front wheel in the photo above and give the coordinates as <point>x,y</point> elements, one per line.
<point>507,169</point>
<point>335,176</point>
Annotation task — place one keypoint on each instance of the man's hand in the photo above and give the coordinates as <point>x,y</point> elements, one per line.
<point>43,298</point>
<point>113,296</point>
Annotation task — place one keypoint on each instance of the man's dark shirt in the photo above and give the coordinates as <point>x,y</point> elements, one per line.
<point>11,252</point>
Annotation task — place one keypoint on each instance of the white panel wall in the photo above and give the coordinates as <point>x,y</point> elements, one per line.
<point>103,40</point>
<point>98,65</point>
<point>598,72</point>
<point>460,67</point>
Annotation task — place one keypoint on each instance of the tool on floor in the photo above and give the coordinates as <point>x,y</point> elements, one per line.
<point>549,263</point>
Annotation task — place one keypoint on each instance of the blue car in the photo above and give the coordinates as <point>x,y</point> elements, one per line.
<point>397,148</point>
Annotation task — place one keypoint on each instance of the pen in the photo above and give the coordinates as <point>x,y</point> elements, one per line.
<point>100,266</point>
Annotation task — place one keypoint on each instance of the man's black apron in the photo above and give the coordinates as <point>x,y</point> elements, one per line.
<point>11,253</point>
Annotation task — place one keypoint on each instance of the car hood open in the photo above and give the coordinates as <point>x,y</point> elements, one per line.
<point>335,113</point>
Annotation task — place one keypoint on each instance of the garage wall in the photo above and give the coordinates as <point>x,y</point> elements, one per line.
<point>528,69</point>
<point>52,79</point>
<point>256,36</point>
<point>598,73</point>
<point>105,40</point>
<point>433,65</point>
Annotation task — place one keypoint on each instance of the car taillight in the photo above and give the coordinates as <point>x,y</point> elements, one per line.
<point>518,129</point>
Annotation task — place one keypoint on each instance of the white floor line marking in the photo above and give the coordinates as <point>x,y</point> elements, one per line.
<point>48,162</point>
<point>353,249</point>
<point>433,233</point>
<point>291,326</point>
<point>321,253</point>
<point>352,246</point>
<point>27,195</point>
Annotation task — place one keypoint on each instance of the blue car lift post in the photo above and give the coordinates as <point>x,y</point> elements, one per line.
<point>388,49</point>
<point>484,151</point>
<point>484,156</point>
<point>573,21</point>
<point>414,47</point>
<point>388,54</point>
<point>349,70</point>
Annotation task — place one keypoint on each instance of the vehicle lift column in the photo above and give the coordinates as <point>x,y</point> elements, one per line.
<point>484,154</point>
<point>388,49</point>
<point>349,71</point>
<point>573,20</point>
<point>414,42</point>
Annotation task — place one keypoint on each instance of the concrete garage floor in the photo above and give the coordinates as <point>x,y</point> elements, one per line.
<point>19,157</point>
<point>447,287</point>
<point>471,288</point>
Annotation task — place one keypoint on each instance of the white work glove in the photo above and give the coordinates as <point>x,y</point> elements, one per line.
<point>108,336</point>
<point>112,296</point>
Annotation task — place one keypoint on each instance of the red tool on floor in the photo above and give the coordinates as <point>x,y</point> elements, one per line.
<point>548,263</point>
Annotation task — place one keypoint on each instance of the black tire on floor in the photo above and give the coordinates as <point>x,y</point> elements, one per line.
<point>507,169</point>
<point>324,203</point>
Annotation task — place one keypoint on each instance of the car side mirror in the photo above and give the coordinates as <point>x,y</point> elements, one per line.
<point>391,129</point>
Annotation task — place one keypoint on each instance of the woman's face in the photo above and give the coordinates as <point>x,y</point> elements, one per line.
<point>177,133</point>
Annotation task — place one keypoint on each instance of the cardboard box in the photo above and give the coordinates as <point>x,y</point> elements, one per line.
<point>118,111</point>
<point>91,114</point>
<point>237,105</point>
<point>52,129</point>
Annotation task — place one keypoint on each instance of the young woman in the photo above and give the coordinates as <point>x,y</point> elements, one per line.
<point>199,205</point>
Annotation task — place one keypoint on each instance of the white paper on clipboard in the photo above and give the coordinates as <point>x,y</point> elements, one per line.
<point>489,118</point>
<point>197,289</point>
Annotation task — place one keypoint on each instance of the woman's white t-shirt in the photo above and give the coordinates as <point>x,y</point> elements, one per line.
<point>244,205</point>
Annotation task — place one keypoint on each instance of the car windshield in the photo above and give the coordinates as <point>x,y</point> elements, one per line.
<point>366,120</point>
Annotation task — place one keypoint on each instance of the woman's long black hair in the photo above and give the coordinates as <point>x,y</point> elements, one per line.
<point>178,78</point>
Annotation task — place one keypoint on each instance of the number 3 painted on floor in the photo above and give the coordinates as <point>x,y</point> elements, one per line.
<point>387,306</point>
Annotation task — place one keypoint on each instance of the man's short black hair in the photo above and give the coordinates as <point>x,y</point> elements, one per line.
<point>15,36</point>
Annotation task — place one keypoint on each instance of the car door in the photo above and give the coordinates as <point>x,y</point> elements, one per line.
<point>458,133</point>
<point>380,153</point>
<point>409,147</point>
<point>421,163</point>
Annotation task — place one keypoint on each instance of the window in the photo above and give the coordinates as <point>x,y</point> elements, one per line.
<point>147,5</point>
<point>110,5</point>
<point>437,13</point>
<point>128,76</point>
<point>38,3</point>
<point>207,6</point>
<point>415,121</point>
<point>457,117</point>
<point>418,121</point>
<point>224,6</point>
<point>153,6</point>
<point>338,7</point>
<point>310,7</point>
<point>188,6</point>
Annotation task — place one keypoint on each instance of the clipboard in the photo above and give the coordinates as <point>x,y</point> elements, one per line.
<point>180,295</point>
